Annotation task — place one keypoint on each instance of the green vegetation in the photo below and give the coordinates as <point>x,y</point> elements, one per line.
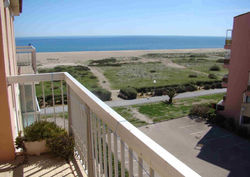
<point>81,73</point>
<point>203,65</point>
<point>181,107</point>
<point>214,68</point>
<point>104,62</point>
<point>101,93</point>
<point>57,139</point>
<point>139,75</point>
<point>126,112</point>
<point>128,93</point>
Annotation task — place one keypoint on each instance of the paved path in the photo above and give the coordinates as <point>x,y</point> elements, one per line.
<point>118,103</point>
<point>162,98</point>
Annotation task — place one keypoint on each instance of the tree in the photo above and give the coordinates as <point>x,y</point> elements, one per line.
<point>171,92</point>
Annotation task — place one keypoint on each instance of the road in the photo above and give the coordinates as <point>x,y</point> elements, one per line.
<point>118,103</point>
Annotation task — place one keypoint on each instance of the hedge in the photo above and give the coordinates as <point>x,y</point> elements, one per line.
<point>128,93</point>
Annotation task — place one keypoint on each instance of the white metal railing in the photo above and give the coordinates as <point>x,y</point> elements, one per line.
<point>104,140</point>
<point>228,40</point>
<point>26,56</point>
<point>228,55</point>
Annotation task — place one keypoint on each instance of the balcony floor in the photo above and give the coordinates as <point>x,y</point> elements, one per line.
<point>44,165</point>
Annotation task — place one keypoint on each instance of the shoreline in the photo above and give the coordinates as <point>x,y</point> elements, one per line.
<point>50,59</point>
<point>142,50</point>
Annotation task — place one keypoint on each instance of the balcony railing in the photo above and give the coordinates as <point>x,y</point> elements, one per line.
<point>228,40</point>
<point>26,59</point>
<point>104,140</point>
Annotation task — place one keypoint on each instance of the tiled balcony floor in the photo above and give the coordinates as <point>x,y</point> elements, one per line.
<point>44,165</point>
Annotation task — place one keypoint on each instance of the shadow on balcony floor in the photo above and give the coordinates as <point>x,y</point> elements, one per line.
<point>226,150</point>
<point>44,165</point>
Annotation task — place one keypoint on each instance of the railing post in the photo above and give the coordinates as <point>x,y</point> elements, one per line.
<point>33,59</point>
<point>89,144</point>
<point>69,111</point>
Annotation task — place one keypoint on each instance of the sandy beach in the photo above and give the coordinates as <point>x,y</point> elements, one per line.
<point>51,59</point>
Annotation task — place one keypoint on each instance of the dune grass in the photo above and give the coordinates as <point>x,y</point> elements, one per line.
<point>142,75</point>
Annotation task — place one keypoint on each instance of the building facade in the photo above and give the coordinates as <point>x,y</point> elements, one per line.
<point>9,103</point>
<point>236,102</point>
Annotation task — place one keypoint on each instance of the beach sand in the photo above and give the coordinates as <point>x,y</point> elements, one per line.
<point>51,59</point>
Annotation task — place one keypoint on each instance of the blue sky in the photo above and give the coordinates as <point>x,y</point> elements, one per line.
<point>128,17</point>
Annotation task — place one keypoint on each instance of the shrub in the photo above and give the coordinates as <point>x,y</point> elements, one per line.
<point>42,130</point>
<point>57,139</point>
<point>207,87</point>
<point>192,75</point>
<point>62,146</point>
<point>128,93</point>
<point>215,68</point>
<point>159,92</point>
<point>180,89</point>
<point>171,93</point>
<point>220,61</point>
<point>217,85</point>
<point>200,111</point>
<point>212,76</point>
<point>190,87</point>
<point>101,93</point>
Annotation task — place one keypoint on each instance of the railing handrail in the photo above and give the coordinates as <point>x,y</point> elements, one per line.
<point>157,157</point>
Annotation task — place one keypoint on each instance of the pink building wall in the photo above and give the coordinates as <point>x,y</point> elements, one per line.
<point>239,66</point>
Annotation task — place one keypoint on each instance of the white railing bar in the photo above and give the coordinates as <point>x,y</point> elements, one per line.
<point>96,150</point>
<point>151,172</point>
<point>44,104</point>
<point>122,159</point>
<point>90,156</point>
<point>110,153</point>
<point>62,94</point>
<point>151,152</point>
<point>100,145</point>
<point>29,78</point>
<point>115,154</point>
<point>93,141</point>
<point>130,156</point>
<point>104,150</point>
<point>37,105</point>
<point>53,100</point>
<point>34,100</point>
<point>24,46</point>
<point>25,106</point>
<point>140,166</point>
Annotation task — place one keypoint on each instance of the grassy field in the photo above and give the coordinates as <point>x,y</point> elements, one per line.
<point>202,65</point>
<point>161,111</point>
<point>126,113</point>
<point>141,74</point>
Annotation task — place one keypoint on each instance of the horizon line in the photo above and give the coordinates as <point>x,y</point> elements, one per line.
<point>115,36</point>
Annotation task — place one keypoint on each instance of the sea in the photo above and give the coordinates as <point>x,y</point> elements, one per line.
<point>111,43</point>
